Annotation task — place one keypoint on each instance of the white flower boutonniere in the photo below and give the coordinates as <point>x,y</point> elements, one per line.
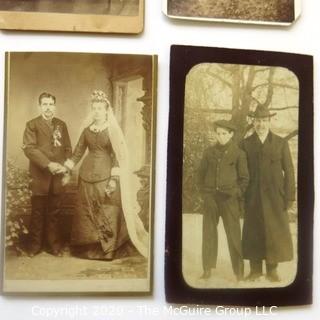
<point>57,135</point>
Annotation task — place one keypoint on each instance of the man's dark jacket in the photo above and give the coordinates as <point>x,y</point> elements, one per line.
<point>39,147</point>
<point>266,232</point>
<point>224,171</point>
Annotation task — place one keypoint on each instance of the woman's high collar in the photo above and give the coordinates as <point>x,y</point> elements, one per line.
<point>98,128</point>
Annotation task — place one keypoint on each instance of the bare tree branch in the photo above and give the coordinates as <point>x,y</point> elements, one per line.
<point>236,89</point>
<point>282,85</point>
<point>261,70</point>
<point>284,108</point>
<point>275,84</point>
<point>229,111</point>
<point>291,135</point>
<point>270,88</point>
<point>247,89</point>
<point>212,74</point>
<point>214,110</point>
<point>255,99</point>
<point>226,67</point>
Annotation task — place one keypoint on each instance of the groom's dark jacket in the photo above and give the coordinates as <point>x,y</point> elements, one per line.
<point>40,148</point>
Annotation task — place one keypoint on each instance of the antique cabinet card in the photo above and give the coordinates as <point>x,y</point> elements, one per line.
<point>239,178</point>
<point>100,16</point>
<point>272,12</point>
<point>78,173</point>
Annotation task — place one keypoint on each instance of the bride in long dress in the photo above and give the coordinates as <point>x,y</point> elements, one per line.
<point>106,218</point>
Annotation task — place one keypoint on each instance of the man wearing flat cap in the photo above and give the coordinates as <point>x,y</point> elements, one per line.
<point>222,178</point>
<point>271,192</point>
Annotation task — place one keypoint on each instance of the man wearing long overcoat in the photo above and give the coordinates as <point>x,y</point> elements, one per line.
<point>46,144</point>
<point>271,192</point>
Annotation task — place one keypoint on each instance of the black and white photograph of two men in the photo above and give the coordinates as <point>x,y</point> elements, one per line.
<point>78,186</point>
<point>246,187</point>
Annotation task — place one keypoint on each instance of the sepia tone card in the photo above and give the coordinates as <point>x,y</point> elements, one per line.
<point>272,12</point>
<point>240,177</point>
<point>78,173</point>
<point>99,16</point>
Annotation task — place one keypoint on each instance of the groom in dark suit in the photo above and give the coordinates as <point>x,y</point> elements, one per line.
<point>46,144</point>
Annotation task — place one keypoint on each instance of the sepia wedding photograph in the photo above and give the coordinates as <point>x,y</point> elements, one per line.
<point>280,12</point>
<point>239,222</point>
<point>109,16</point>
<point>79,169</point>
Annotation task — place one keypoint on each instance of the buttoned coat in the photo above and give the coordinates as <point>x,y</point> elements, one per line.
<point>226,173</point>
<point>98,218</point>
<point>100,159</point>
<point>39,147</point>
<point>266,232</point>
<point>223,178</point>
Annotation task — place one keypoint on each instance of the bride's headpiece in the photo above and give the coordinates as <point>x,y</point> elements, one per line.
<point>99,96</point>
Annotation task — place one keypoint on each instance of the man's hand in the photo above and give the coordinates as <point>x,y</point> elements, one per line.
<point>53,167</point>
<point>56,168</point>
<point>61,169</point>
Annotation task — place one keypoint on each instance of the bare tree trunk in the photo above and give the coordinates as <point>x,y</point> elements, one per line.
<point>270,88</point>
<point>244,101</point>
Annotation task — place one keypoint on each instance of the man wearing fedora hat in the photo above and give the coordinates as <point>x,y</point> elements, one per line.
<point>271,191</point>
<point>222,178</point>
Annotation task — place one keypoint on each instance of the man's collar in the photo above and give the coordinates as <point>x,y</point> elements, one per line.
<point>264,137</point>
<point>45,118</point>
<point>224,146</point>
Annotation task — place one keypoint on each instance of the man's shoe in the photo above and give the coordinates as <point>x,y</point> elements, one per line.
<point>57,253</point>
<point>239,277</point>
<point>31,253</point>
<point>253,276</point>
<point>273,276</point>
<point>206,274</point>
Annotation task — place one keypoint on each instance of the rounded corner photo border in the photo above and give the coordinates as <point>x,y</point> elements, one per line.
<point>204,82</point>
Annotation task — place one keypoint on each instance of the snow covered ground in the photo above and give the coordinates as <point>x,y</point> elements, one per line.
<point>222,276</point>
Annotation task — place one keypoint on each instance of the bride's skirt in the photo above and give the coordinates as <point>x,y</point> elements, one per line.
<point>98,228</point>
